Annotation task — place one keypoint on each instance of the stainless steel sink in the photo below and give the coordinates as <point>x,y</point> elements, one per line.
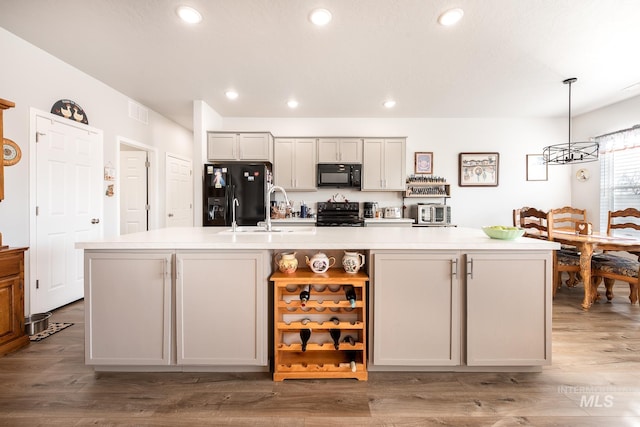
<point>274,230</point>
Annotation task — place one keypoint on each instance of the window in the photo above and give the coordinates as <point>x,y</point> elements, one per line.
<point>619,172</point>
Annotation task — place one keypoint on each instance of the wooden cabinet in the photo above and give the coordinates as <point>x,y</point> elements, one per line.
<point>294,165</point>
<point>221,308</point>
<point>508,309</point>
<point>235,146</point>
<point>12,336</point>
<point>384,164</point>
<point>128,313</point>
<point>4,105</point>
<point>344,150</point>
<point>328,316</point>
<point>416,309</point>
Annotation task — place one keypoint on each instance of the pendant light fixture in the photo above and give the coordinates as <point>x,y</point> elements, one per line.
<point>571,152</point>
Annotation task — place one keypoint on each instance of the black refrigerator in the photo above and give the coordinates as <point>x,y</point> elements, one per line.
<point>225,181</point>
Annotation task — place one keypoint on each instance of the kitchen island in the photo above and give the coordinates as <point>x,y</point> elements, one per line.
<point>452,299</point>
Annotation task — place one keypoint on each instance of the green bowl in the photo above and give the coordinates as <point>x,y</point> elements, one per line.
<point>503,234</point>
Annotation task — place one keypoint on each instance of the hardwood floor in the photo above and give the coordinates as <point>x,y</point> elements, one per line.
<point>594,381</point>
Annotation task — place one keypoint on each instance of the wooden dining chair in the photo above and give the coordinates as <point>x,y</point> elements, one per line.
<point>568,257</point>
<point>536,225</point>
<point>611,267</point>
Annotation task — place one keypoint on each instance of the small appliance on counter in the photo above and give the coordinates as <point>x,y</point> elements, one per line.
<point>432,214</point>
<point>393,212</point>
<point>369,209</point>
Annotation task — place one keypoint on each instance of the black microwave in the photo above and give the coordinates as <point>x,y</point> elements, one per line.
<point>342,175</point>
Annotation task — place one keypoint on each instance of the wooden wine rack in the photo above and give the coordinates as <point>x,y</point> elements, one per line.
<point>321,359</point>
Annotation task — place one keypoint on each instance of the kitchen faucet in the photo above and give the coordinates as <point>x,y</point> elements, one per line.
<point>234,224</point>
<point>272,189</point>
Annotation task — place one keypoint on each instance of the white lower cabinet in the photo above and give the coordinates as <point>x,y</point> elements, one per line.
<point>128,313</point>
<point>221,307</point>
<point>416,309</point>
<point>508,309</point>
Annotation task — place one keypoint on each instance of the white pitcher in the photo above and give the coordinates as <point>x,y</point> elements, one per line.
<point>352,261</point>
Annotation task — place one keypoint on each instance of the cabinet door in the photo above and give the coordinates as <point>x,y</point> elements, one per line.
<point>394,164</point>
<point>416,309</point>
<point>508,309</point>
<point>127,308</point>
<point>305,164</point>
<point>221,308</point>
<point>283,162</point>
<point>221,146</point>
<point>328,150</point>
<point>11,309</point>
<point>372,164</point>
<point>351,150</point>
<point>254,146</point>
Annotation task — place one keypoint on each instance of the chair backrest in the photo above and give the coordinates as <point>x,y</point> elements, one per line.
<point>625,222</point>
<point>532,220</point>
<point>566,218</point>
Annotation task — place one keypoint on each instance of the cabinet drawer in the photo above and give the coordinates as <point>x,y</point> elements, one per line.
<point>10,265</point>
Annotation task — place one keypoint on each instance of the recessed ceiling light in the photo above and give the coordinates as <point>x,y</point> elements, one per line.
<point>231,94</point>
<point>450,17</point>
<point>389,104</point>
<point>189,14</point>
<point>320,17</point>
<point>292,103</point>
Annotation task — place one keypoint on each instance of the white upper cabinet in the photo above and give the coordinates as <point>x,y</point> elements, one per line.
<point>294,166</point>
<point>245,146</point>
<point>383,165</point>
<point>343,150</point>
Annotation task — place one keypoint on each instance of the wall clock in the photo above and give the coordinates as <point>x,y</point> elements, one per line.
<point>582,175</point>
<point>11,151</point>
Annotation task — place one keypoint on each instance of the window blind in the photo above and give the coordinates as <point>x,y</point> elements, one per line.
<point>619,173</point>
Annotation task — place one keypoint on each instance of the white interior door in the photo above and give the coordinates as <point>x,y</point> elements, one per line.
<point>69,198</point>
<point>133,192</point>
<point>179,192</point>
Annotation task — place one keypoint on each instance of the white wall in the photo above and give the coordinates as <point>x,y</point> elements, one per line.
<point>446,138</point>
<point>621,115</point>
<point>30,77</point>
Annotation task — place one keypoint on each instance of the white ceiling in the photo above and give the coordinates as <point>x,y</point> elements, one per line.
<point>506,58</point>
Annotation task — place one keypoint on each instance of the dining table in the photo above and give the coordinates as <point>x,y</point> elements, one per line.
<point>587,244</point>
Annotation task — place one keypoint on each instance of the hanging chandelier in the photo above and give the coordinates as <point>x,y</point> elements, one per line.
<point>571,152</point>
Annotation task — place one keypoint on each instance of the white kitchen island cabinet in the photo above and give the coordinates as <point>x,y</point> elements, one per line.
<point>416,309</point>
<point>508,309</point>
<point>128,312</point>
<point>196,298</point>
<point>221,308</point>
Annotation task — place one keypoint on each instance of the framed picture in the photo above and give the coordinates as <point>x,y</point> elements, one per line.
<point>537,168</point>
<point>478,169</point>
<point>424,163</point>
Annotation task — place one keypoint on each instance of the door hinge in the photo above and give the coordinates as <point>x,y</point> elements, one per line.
<point>37,284</point>
<point>147,207</point>
<point>37,210</point>
<point>147,164</point>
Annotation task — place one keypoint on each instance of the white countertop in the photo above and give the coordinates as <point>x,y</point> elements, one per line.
<point>398,238</point>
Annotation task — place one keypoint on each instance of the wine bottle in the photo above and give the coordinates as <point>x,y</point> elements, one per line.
<point>305,294</point>
<point>335,333</point>
<point>305,334</point>
<point>351,354</point>
<point>350,294</point>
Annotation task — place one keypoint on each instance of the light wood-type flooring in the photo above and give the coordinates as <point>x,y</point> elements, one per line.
<point>594,381</point>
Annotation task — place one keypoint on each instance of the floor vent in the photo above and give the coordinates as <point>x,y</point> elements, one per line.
<point>138,112</point>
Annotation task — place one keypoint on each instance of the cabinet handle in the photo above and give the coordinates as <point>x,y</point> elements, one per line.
<point>95,220</point>
<point>454,268</point>
<point>470,268</point>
